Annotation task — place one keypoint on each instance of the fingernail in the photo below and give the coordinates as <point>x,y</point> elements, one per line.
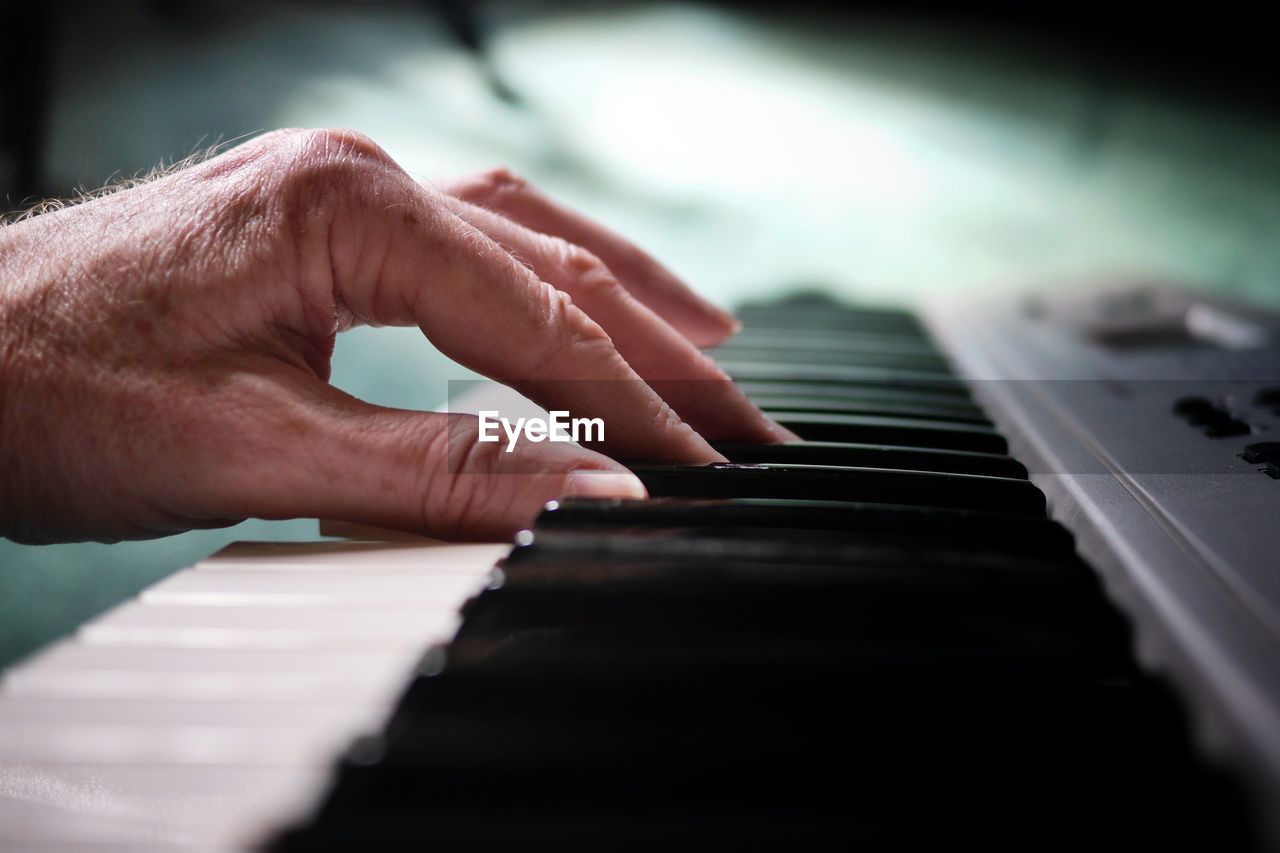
<point>590,483</point>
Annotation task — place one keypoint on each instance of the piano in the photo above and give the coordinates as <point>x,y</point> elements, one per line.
<point>1013,590</point>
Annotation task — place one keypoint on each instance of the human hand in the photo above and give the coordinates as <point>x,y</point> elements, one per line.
<point>164,350</point>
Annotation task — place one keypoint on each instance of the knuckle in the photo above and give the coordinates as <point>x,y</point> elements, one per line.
<point>316,178</point>
<point>491,185</point>
<point>585,273</point>
<point>570,336</point>
<point>666,419</point>
<point>332,161</point>
<point>328,157</point>
<point>342,145</point>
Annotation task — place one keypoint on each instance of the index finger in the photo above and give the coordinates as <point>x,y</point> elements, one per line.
<point>646,279</point>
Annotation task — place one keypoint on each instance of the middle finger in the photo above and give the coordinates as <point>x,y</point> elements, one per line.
<point>686,378</point>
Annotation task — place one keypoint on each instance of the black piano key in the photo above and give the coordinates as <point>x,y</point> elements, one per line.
<point>743,354</point>
<point>871,400</point>
<point>780,321</point>
<point>803,300</point>
<point>534,629</point>
<point>779,719</point>
<point>868,429</point>
<point>490,696</point>
<point>862,615</point>
<point>869,403</point>
<point>394,824</point>
<point>592,618</point>
<point>620,598</point>
<point>957,527</point>
<point>818,406</point>
<point>775,605</point>
<point>821,305</point>
<point>802,376</point>
<point>860,392</point>
<point>1002,651</point>
<point>624,769</point>
<point>607,762</point>
<point>990,529</point>
<point>873,456</point>
<point>829,482</point>
<point>564,610</point>
<point>826,341</point>
<point>815,554</point>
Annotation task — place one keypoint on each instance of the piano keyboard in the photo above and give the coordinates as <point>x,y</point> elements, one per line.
<point>874,637</point>
<point>208,711</point>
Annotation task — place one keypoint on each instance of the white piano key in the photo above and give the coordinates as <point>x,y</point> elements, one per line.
<point>216,638</point>
<point>103,845</point>
<point>85,786</point>
<point>168,744</point>
<point>377,688</point>
<point>114,846</point>
<point>292,589</point>
<point>72,655</point>
<point>339,619</point>
<point>476,559</point>
<point>354,718</point>
<point>71,671</point>
<point>35,826</point>
<point>208,713</point>
<point>218,806</point>
<point>390,628</point>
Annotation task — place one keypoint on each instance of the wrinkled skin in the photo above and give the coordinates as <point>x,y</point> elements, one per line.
<point>164,350</point>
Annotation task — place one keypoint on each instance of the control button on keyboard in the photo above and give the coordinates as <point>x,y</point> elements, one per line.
<point>1268,396</point>
<point>1214,420</point>
<point>1227,428</point>
<point>1193,406</point>
<point>1262,453</point>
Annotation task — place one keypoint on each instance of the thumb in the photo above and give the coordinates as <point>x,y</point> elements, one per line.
<point>340,458</point>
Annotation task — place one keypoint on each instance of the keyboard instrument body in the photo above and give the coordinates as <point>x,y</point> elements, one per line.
<point>884,637</point>
<point>1175,519</point>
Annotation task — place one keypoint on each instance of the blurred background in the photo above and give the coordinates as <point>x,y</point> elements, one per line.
<point>885,151</point>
